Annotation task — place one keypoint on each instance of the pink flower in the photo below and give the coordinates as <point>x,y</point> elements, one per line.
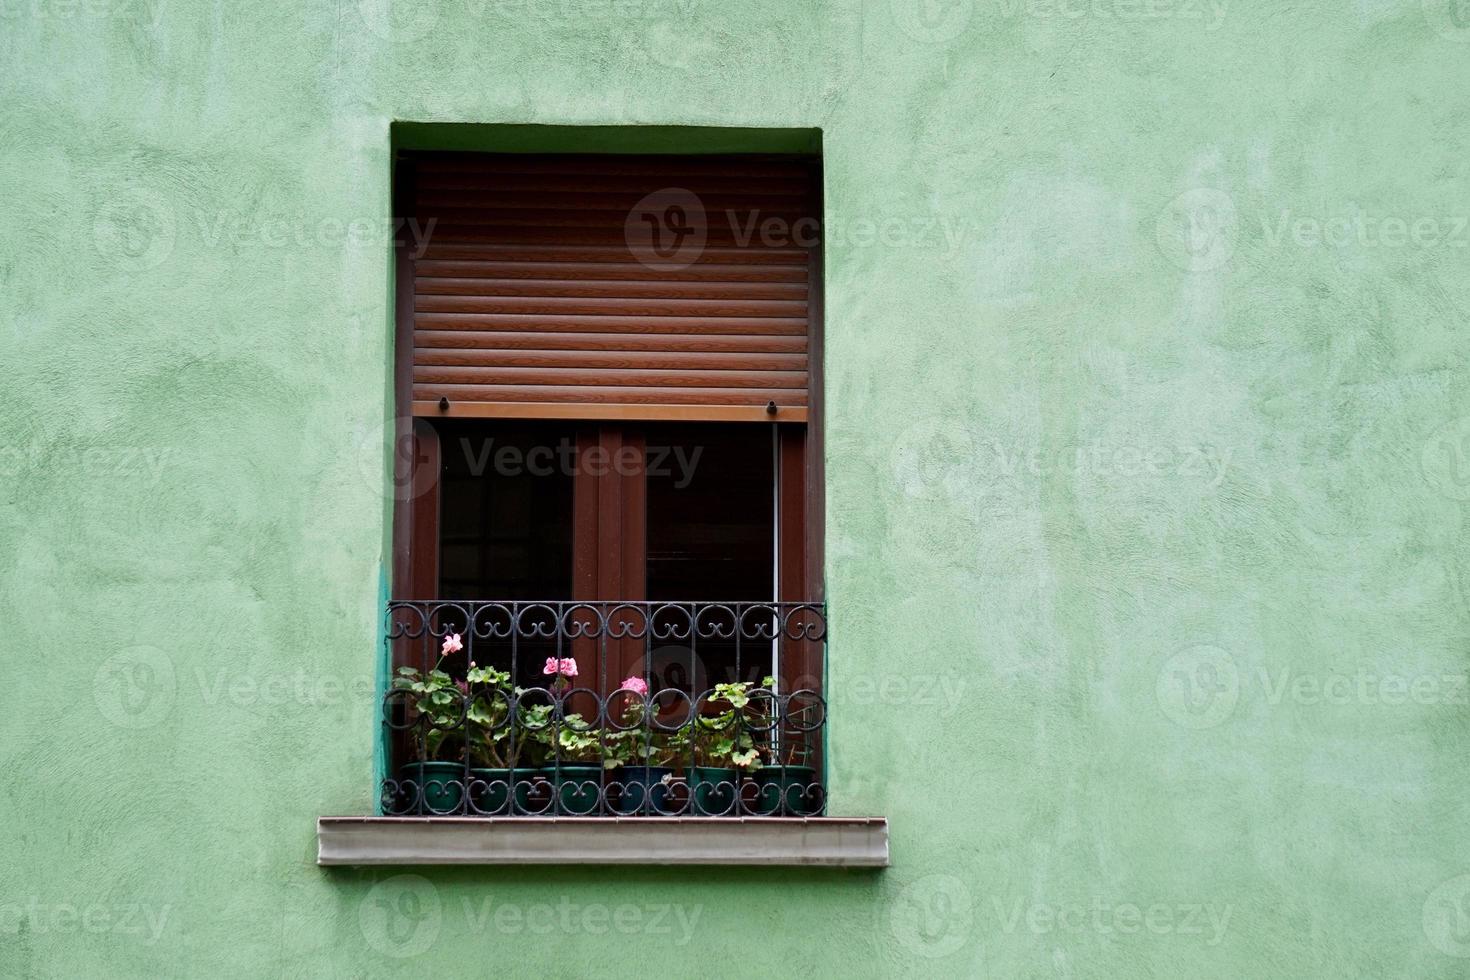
<point>564,668</point>
<point>451,645</point>
<point>635,684</point>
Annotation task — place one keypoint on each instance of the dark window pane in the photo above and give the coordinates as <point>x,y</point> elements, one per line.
<point>711,528</point>
<point>505,529</point>
<point>506,511</point>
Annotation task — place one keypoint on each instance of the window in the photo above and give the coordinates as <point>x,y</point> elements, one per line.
<point>611,367</point>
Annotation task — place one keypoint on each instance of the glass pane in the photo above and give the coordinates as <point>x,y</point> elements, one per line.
<point>711,528</point>
<point>505,530</point>
<point>505,511</point>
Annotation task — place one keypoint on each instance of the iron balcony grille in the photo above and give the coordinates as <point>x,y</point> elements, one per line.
<point>617,708</point>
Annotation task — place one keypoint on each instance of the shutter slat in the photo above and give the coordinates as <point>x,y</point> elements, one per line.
<point>430,269</point>
<point>691,361</point>
<point>614,378</point>
<point>787,326</point>
<point>619,252</point>
<point>606,288</point>
<point>718,234</point>
<point>735,221</point>
<point>610,305</point>
<point>537,290</point>
<point>431,340</point>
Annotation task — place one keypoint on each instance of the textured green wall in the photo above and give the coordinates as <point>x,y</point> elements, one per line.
<point>1149,458</point>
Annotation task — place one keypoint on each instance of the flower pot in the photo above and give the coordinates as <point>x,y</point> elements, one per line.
<point>437,786</point>
<point>641,789</point>
<point>713,790</point>
<point>578,788</point>
<point>490,791</point>
<point>787,790</point>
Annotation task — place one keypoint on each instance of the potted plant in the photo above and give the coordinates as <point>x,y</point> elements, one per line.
<point>723,747</point>
<point>576,766</point>
<point>570,749</point>
<point>439,702</point>
<point>496,745</point>
<point>785,783</point>
<point>643,755</point>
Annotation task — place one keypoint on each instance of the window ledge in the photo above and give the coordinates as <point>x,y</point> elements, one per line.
<point>845,842</point>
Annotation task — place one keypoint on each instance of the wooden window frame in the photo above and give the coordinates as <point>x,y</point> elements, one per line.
<point>800,514</point>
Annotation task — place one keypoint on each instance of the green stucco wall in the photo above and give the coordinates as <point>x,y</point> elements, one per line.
<point>1147,481</point>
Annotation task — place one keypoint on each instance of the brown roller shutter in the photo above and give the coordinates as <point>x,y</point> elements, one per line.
<point>613,287</point>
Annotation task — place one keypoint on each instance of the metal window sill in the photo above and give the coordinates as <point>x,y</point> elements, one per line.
<point>843,842</point>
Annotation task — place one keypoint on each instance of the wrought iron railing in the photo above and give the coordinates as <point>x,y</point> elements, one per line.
<point>648,709</point>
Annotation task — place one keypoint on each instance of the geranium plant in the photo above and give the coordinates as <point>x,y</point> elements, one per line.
<point>438,698</point>
<point>494,743</point>
<point>724,740</point>
<point>638,741</point>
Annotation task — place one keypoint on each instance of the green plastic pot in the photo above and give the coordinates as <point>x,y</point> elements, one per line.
<point>637,784</point>
<point>578,788</point>
<point>713,790</point>
<point>440,786</point>
<point>490,791</point>
<point>796,786</point>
